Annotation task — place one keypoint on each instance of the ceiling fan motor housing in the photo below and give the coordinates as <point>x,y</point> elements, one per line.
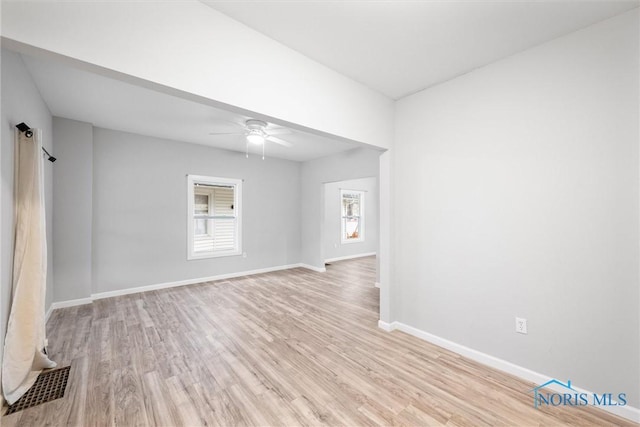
<point>256,131</point>
<point>253,124</point>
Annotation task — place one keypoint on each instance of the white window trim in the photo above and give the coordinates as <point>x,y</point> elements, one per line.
<point>209,193</point>
<point>237,205</point>
<point>360,238</point>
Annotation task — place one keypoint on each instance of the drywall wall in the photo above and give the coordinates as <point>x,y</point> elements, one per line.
<point>357,163</point>
<point>21,102</point>
<point>385,237</point>
<point>516,194</point>
<point>72,208</point>
<point>140,210</point>
<point>331,231</point>
<point>138,230</point>
<point>188,48</point>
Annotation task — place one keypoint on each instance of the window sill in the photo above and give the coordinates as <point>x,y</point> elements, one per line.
<point>192,257</point>
<point>348,242</point>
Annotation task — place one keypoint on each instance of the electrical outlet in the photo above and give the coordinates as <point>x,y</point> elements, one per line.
<point>521,325</point>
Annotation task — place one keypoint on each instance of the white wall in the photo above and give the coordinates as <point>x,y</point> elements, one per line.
<point>332,227</point>
<point>21,102</point>
<point>140,210</point>
<point>516,194</point>
<point>72,208</point>
<point>137,213</point>
<point>190,49</point>
<point>384,270</point>
<point>357,163</point>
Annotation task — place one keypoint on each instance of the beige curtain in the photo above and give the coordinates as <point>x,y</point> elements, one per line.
<point>24,357</point>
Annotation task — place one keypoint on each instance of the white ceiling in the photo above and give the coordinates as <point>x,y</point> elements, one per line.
<point>400,47</point>
<point>113,104</point>
<point>395,47</point>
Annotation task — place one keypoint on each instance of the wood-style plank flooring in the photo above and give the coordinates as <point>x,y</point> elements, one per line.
<point>278,349</point>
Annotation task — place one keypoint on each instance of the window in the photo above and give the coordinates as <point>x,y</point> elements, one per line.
<point>352,216</point>
<point>214,221</point>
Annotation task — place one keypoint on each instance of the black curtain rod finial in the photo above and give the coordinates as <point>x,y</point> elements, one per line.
<point>23,127</point>
<point>49,156</point>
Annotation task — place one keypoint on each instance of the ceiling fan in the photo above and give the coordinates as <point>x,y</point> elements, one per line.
<point>259,132</point>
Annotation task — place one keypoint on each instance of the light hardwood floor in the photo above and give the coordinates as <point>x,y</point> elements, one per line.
<point>286,348</point>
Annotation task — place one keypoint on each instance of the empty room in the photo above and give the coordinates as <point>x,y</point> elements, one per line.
<point>341,213</point>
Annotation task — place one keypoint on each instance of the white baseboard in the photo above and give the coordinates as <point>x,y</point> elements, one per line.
<point>343,258</point>
<point>65,304</point>
<point>136,290</point>
<point>627,412</point>
<point>312,268</point>
<point>139,289</point>
<point>386,326</point>
<point>48,314</point>
<point>71,303</point>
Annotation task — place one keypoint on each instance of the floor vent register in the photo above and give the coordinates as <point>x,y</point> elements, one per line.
<point>49,386</point>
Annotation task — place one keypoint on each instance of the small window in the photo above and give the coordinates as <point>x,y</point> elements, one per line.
<point>352,216</point>
<point>214,222</point>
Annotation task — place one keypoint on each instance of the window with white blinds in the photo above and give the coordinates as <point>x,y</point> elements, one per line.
<point>214,216</point>
<point>352,219</point>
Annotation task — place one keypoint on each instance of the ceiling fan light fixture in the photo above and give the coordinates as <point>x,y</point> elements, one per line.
<point>255,137</point>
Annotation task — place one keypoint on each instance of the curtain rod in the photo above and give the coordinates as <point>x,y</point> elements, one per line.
<point>23,127</point>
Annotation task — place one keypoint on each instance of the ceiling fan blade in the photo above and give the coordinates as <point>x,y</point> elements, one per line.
<point>279,141</point>
<point>226,133</point>
<point>227,121</point>
<point>277,131</point>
